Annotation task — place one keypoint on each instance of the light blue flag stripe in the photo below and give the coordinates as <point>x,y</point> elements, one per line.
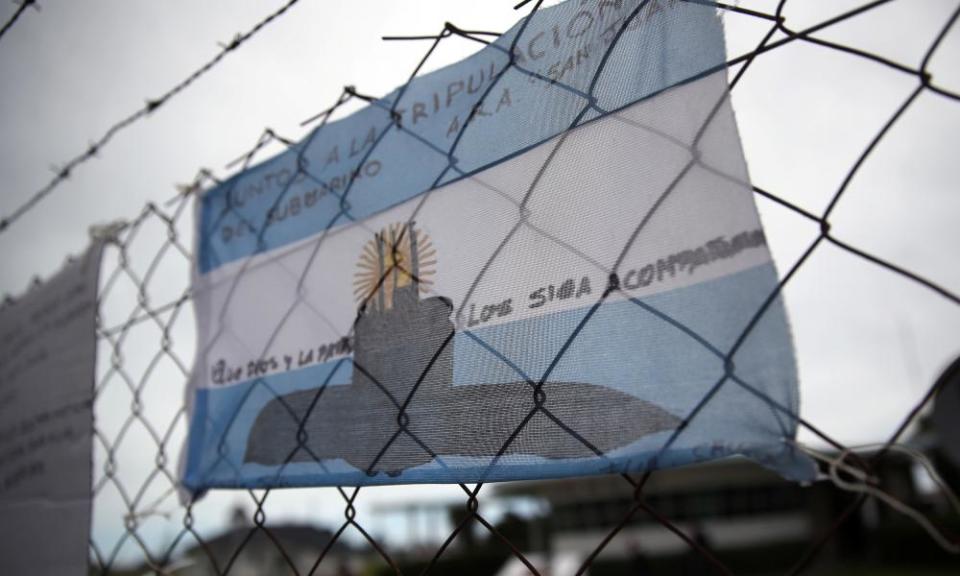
<point>433,108</point>
<point>674,369</point>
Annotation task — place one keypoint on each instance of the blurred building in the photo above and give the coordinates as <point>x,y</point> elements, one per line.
<point>249,551</point>
<point>301,545</point>
<point>746,515</point>
<point>729,504</point>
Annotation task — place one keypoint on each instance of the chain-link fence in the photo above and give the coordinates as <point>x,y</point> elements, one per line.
<point>147,345</point>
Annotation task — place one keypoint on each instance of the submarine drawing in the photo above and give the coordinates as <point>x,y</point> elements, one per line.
<point>404,342</point>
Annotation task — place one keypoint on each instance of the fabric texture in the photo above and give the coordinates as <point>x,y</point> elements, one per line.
<point>544,260</point>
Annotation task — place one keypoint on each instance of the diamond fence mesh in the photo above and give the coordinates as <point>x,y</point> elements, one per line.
<point>146,348</point>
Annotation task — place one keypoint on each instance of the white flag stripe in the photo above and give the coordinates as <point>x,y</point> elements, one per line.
<point>567,234</point>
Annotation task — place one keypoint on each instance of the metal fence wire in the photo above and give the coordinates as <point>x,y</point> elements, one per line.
<point>144,301</point>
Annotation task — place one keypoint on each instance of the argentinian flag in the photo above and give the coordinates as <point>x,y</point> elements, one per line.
<point>544,260</point>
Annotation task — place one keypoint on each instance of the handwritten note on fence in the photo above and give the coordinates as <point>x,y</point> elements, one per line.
<point>47,355</point>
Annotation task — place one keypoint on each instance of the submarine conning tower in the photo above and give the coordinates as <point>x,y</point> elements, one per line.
<point>398,334</point>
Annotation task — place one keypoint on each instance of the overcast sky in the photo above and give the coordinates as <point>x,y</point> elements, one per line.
<point>869,343</point>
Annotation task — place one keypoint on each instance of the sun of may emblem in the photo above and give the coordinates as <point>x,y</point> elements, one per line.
<point>398,256</point>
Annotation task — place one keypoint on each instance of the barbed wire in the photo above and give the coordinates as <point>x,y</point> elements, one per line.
<point>64,172</point>
<point>115,334</point>
<point>21,8</point>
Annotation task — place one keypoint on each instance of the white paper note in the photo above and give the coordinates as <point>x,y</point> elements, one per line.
<point>47,357</point>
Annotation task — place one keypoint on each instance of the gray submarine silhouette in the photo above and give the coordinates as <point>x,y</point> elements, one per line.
<point>401,342</point>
